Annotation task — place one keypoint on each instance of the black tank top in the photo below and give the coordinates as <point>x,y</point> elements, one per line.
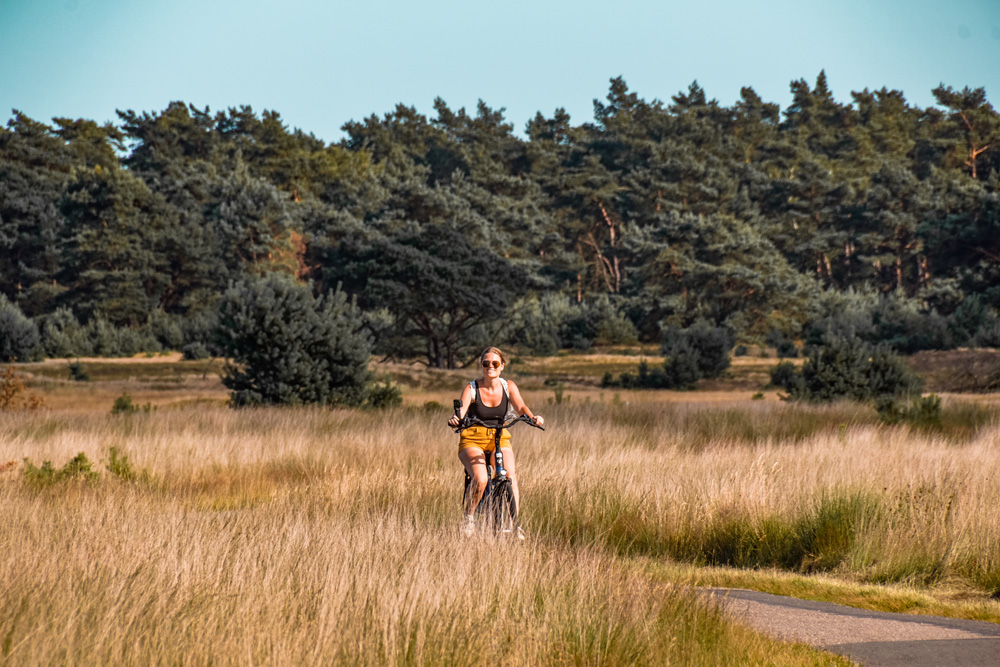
<point>494,415</point>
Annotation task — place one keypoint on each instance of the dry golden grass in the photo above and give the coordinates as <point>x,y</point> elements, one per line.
<point>310,536</point>
<point>288,536</point>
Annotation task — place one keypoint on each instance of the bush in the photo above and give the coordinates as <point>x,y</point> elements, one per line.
<point>290,348</point>
<point>166,330</point>
<point>901,324</point>
<point>195,351</point>
<point>121,467</point>
<point>683,365</point>
<point>123,406</point>
<point>740,351</point>
<point>383,395</point>
<point>536,323</point>
<point>968,318</point>
<point>19,340</point>
<point>553,322</point>
<point>849,368</point>
<point>77,468</point>
<point>922,412</point>
<point>988,335</point>
<point>611,325</point>
<point>78,372</point>
<point>707,346</point>
<point>107,340</point>
<point>62,336</point>
<point>889,374</point>
<point>787,376</point>
<point>699,351</point>
<point>847,314</point>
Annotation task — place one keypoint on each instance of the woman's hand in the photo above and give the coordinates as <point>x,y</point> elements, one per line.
<point>538,419</point>
<point>453,422</point>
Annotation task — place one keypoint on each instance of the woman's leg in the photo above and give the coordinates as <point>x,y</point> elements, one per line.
<point>474,461</point>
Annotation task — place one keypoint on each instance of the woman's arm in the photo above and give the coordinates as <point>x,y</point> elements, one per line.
<point>466,402</point>
<point>519,405</point>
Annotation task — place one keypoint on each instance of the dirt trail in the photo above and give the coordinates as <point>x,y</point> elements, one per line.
<point>872,638</point>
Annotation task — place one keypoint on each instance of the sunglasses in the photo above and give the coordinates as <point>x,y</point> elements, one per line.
<point>494,363</point>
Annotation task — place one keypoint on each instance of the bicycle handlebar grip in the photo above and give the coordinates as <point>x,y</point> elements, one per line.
<point>457,404</point>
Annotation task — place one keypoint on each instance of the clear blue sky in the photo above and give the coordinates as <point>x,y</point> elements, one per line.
<point>321,64</point>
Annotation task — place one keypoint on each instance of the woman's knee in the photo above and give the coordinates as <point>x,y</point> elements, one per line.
<point>509,462</point>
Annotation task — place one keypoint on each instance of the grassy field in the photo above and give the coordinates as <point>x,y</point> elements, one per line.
<point>200,534</point>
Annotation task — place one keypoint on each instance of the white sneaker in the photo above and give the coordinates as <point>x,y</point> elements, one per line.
<point>468,525</point>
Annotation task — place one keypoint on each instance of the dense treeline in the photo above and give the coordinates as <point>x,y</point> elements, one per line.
<point>873,217</point>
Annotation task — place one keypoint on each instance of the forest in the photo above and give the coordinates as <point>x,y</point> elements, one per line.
<point>871,217</point>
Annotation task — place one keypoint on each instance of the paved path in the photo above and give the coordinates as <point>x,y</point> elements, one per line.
<point>873,638</point>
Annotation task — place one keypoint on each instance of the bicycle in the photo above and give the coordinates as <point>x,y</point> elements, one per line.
<point>497,506</point>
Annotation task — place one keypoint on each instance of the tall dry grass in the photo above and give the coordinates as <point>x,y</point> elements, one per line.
<point>799,487</point>
<point>326,537</point>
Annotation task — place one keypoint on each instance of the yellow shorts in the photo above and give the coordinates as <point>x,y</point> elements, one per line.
<point>482,437</point>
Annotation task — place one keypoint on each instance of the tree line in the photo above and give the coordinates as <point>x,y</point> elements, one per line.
<point>873,217</point>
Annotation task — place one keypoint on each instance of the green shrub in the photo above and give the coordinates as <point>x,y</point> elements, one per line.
<point>968,318</point>
<point>195,351</point>
<point>535,323</point>
<point>682,367</point>
<point>78,468</point>
<point>62,336</point>
<point>787,376</point>
<point>383,395</point>
<point>123,406</point>
<point>988,335</point>
<point>847,314</point>
<point>120,466</point>
<point>697,352</point>
<point>849,368</point>
<point>901,323</point>
<point>558,394</point>
<point>107,340</point>
<point>707,347</point>
<point>19,339</point>
<point>290,348</point>
<point>78,372</point>
<point>922,412</point>
<point>554,321</point>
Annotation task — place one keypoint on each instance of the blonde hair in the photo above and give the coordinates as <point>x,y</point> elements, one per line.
<point>494,350</point>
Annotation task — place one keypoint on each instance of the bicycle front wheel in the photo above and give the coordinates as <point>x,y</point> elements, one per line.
<point>503,509</point>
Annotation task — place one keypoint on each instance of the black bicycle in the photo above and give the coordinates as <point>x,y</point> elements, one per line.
<point>497,509</point>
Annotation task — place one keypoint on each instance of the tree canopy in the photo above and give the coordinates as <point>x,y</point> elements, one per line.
<point>668,212</point>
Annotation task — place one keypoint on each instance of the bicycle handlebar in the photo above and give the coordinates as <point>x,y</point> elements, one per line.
<point>468,422</point>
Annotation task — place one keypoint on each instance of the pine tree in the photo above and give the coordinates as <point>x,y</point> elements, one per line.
<point>849,368</point>
<point>111,264</point>
<point>34,169</point>
<point>974,126</point>
<point>290,348</point>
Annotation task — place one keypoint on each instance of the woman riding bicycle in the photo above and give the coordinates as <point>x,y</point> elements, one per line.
<point>489,399</point>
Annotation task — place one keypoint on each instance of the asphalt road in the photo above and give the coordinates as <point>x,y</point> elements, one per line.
<point>872,638</point>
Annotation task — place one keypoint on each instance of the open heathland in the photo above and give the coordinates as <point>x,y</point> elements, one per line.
<point>195,533</point>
